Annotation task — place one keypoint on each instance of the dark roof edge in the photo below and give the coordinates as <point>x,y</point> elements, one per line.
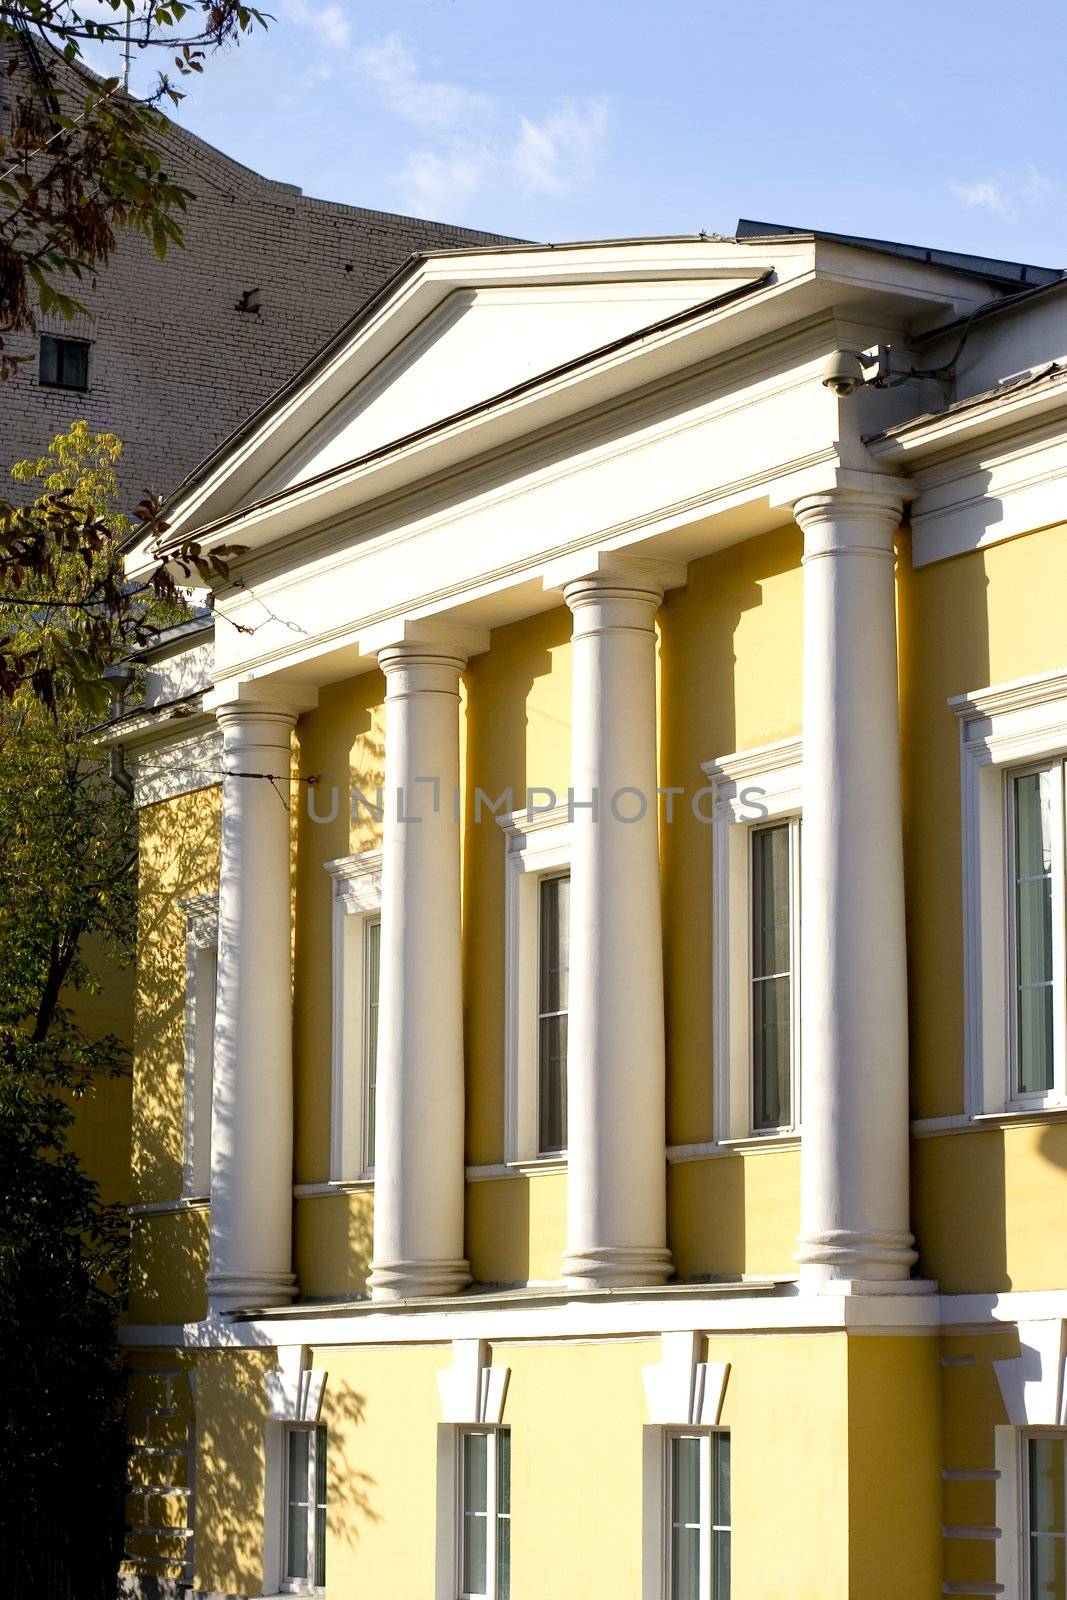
<point>990,267</point>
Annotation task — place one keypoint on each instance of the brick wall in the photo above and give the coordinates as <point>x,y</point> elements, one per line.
<point>174,366</point>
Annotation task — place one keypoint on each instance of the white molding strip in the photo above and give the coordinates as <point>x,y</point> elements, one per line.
<point>192,760</point>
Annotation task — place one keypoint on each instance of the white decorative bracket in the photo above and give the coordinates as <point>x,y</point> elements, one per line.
<point>1032,1383</point>
<point>472,1391</point>
<point>294,1390</point>
<point>683,1390</point>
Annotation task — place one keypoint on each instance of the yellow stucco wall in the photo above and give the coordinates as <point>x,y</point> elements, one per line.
<point>231,1410</point>
<point>840,1436</point>
<point>981,1199</point>
<point>179,857</point>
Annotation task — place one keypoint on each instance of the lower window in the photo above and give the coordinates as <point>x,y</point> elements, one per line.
<point>1045,1492</point>
<point>484,1478</point>
<point>697,1477</point>
<point>304,1554</point>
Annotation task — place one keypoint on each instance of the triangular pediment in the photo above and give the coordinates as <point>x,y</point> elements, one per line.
<point>477,344</point>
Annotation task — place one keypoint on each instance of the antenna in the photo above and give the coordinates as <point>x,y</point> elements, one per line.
<point>127,52</point>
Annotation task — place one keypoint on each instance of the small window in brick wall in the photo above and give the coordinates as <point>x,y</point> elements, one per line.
<point>64,363</point>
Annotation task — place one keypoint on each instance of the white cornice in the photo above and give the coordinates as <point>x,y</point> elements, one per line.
<point>1022,694</point>
<point>928,439</point>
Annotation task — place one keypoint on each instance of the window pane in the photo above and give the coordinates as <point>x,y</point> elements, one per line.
<point>372,961</point>
<point>720,1516</point>
<point>771,978</point>
<point>1046,1485</point>
<point>721,1509</point>
<point>503,1472</point>
<point>770,896</point>
<point>721,1563</point>
<point>685,1518</point>
<point>1033,932</point>
<point>475,1510</point>
<point>1047,1581</point>
<point>503,1514</point>
<point>555,938</point>
<point>552,1086</point>
<point>320,1506</point>
<point>685,1480</point>
<point>296,1550</point>
<point>552,1002</point>
<point>771,1041</point>
<point>49,372</point>
<point>74,359</point>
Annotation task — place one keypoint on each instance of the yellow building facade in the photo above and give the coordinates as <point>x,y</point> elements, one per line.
<point>601,1046</point>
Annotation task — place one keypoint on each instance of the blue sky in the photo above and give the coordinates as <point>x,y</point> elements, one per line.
<point>938,122</point>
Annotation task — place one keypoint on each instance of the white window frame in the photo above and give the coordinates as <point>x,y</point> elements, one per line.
<point>751,790</point>
<point>1013,1504</point>
<point>656,1584</point>
<point>1007,729</point>
<point>357,902</point>
<point>537,846</point>
<point>493,1432</point>
<point>201,914</point>
<point>287,1585</point>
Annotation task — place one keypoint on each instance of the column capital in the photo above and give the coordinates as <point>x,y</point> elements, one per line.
<point>586,574</point>
<point>848,519</point>
<point>405,641</point>
<point>234,702</point>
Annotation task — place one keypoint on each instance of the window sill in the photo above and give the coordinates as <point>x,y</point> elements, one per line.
<point>316,1191</point>
<point>164,1208</point>
<point>534,1164</point>
<point>1041,1112</point>
<point>753,1145</point>
<point>1010,1117</point>
<point>517,1169</point>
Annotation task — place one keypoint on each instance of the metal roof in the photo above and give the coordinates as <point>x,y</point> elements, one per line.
<point>990,267</point>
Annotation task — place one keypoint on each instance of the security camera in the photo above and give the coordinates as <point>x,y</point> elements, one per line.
<point>844,373</point>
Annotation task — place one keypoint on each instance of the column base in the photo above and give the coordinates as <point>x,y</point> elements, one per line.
<point>417,1280</point>
<point>852,1287</point>
<point>234,1291</point>
<point>854,1255</point>
<point>617,1267</point>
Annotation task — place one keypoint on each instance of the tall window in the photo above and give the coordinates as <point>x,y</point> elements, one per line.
<point>485,1514</point>
<point>773,871</point>
<point>1046,1522</point>
<point>1037,959</point>
<point>372,950</point>
<point>304,1563</point>
<point>554,896</point>
<point>357,949</point>
<point>698,1516</point>
<point>64,363</point>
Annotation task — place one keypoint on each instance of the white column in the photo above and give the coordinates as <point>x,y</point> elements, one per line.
<point>252,1077</point>
<point>854,999</point>
<point>616,1160</point>
<point>419,1133</point>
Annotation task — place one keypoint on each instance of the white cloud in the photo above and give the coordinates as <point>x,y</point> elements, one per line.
<point>328,23</point>
<point>435,181</point>
<point>563,151</point>
<point>1038,185</point>
<point>390,68</point>
<point>473,138</point>
<point>1006,194</point>
<point>985,196</point>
